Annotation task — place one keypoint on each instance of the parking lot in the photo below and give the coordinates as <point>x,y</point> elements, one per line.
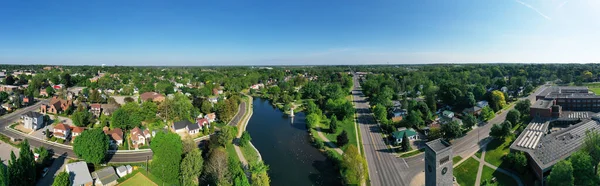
<point>5,152</point>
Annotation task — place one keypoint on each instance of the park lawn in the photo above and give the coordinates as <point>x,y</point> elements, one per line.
<point>249,153</point>
<point>138,179</point>
<point>497,149</point>
<point>456,159</point>
<point>595,90</point>
<point>231,151</point>
<point>478,154</point>
<point>501,179</point>
<point>466,173</point>
<point>347,126</point>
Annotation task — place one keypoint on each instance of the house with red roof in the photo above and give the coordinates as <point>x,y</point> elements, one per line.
<point>61,131</point>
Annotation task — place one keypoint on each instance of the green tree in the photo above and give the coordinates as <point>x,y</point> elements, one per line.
<point>380,113</point>
<point>591,145</point>
<point>523,107</point>
<point>226,135</point>
<point>50,91</point>
<point>451,130</point>
<point>120,119</point>
<point>258,174</point>
<point>4,178</point>
<point>312,120</point>
<point>406,143</point>
<point>470,99</point>
<point>333,124</point>
<point>312,108</point>
<point>167,150</point>
<point>43,155</point>
<point>22,171</point>
<point>342,139</point>
<point>82,118</point>
<point>191,167</point>
<point>353,166</point>
<point>469,121</point>
<point>91,146</point>
<point>497,100</point>
<point>561,174</point>
<point>245,139</point>
<point>513,116</point>
<point>206,107</point>
<point>148,111</point>
<point>518,160</point>
<point>583,170</point>
<point>62,179</point>
<point>15,170</point>
<point>487,113</point>
<point>188,144</point>
<point>10,80</point>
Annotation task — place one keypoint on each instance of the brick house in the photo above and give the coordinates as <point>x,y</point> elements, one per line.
<point>56,105</point>
<point>115,135</point>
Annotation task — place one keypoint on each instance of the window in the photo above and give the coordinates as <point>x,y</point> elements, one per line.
<point>444,160</point>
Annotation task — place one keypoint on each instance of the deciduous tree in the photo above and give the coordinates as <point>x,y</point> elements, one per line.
<point>451,130</point>
<point>583,170</point>
<point>245,139</point>
<point>216,168</point>
<point>191,167</point>
<point>166,158</point>
<point>62,179</point>
<point>353,166</point>
<point>91,146</point>
<point>513,116</point>
<point>561,174</point>
<point>469,121</point>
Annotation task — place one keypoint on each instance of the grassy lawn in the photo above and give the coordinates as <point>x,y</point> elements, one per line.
<point>412,153</point>
<point>249,153</point>
<point>501,179</point>
<point>496,150</point>
<point>456,159</point>
<point>138,179</point>
<point>595,90</point>
<point>347,125</point>
<point>466,173</point>
<point>478,154</point>
<point>231,151</point>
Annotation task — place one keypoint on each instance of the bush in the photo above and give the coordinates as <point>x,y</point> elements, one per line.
<point>342,139</point>
<point>319,144</point>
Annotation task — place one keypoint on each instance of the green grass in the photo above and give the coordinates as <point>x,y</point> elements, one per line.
<point>412,153</point>
<point>347,125</point>
<point>456,159</point>
<point>138,179</point>
<point>478,154</point>
<point>466,173</point>
<point>231,151</point>
<point>496,150</point>
<point>595,90</point>
<point>249,153</point>
<point>501,179</point>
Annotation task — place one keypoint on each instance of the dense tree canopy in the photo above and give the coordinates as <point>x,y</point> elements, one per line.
<point>167,150</point>
<point>91,145</point>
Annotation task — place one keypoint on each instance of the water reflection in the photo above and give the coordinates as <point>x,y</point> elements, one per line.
<point>285,146</point>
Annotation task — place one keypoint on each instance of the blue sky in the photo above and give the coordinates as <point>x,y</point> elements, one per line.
<point>275,32</point>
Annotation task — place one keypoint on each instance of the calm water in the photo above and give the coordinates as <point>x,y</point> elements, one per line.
<point>285,146</point>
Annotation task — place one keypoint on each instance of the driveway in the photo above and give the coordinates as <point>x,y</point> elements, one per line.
<point>53,170</point>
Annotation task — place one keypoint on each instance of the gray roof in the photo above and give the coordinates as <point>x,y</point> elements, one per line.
<point>567,92</point>
<point>543,104</point>
<point>181,124</point>
<point>105,175</point>
<point>32,114</point>
<point>79,173</point>
<point>547,149</point>
<point>437,145</point>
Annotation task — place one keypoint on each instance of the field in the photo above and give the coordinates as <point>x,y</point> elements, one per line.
<point>347,126</point>
<point>497,149</point>
<point>466,172</point>
<point>594,87</point>
<point>138,179</point>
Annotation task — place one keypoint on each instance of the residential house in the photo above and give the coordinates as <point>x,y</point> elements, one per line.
<point>76,131</point>
<point>398,114</point>
<point>123,170</point>
<point>475,110</point>
<point>156,97</point>
<point>33,120</point>
<point>8,88</point>
<point>56,105</point>
<point>96,109</point>
<point>213,99</point>
<point>139,136</point>
<point>108,109</point>
<point>399,135</point>
<point>61,131</point>
<point>43,92</point>
<point>212,117</point>
<point>448,114</point>
<point>202,122</point>
<point>482,104</point>
<point>27,100</point>
<point>8,107</point>
<point>79,174</point>
<point>105,177</point>
<point>115,135</point>
<point>257,86</point>
<point>186,126</point>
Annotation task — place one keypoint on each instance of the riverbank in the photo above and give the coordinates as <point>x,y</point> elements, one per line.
<point>246,153</point>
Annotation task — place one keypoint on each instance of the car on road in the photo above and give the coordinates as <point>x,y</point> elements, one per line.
<point>44,172</point>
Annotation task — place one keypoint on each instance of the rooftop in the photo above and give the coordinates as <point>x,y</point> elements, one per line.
<point>542,104</point>
<point>105,175</point>
<point>80,175</point>
<point>437,145</point>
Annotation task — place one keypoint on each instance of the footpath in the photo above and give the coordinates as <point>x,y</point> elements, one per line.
<point>241,128</point>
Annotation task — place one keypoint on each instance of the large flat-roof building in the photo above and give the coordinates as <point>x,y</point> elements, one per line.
<point>568,98</point>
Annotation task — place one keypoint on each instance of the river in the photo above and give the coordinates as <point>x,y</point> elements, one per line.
<point>285,146</point>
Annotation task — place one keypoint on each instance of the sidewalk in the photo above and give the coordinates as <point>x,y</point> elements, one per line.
<point>241,129</point>
<point>329,143</point>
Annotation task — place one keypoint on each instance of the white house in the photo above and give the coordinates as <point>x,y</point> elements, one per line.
<point>482,104</point>
<point>139,137</point>
<point>33,120</point>
<point>186,126</point>
<point>124,170</point>
<point>399,135</point>
<point>61,131</point>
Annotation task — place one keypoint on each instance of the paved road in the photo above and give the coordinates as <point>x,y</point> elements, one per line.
<point>384,167</point>
<point>60,150</point>
<point>241,111</point>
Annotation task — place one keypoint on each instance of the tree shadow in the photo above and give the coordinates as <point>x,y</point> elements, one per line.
<point>327,174</point>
